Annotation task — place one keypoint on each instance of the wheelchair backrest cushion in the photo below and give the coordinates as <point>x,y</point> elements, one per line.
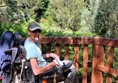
<point>7,41</point>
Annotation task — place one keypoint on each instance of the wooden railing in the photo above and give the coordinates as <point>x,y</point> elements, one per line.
<point>101,48</point>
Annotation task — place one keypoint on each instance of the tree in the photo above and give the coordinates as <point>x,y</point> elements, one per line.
<point>106,22</point>
<point>14,14</point>
<point>102,17</point>
<point>3,13</point>
<point>66,13</point>
<point>16,11</point>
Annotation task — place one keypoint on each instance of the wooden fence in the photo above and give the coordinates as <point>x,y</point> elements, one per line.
<point>100,65</point>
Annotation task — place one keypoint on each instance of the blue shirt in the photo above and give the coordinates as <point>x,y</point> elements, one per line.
<point>34,51</point>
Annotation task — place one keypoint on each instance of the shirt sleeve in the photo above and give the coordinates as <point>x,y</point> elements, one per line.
<point>31,52</point>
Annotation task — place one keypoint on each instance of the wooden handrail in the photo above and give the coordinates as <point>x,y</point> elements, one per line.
<point>79,40</point>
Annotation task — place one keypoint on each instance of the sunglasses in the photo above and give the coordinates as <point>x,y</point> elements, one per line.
<point>36,31</point>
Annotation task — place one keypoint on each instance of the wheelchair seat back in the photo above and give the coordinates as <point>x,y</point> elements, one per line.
<point>19,43</point>
<point>5,44</point>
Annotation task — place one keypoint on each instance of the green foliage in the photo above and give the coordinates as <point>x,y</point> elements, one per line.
<point>105,21</point>
<point>18,11</point>
<point>101,18</point>
<point>66,14</point>
<point>54,30</point>
<point>42,7</point>
<point>21,28</point>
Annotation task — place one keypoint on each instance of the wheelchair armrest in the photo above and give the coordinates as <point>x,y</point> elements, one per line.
<point>49,72</point>
<point>49,59</point>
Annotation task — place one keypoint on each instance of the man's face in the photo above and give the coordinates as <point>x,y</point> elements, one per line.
<point>35,35</point>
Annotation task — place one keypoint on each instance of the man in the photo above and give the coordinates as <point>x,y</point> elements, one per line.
<point>34,53</point>
<point>37,61</point>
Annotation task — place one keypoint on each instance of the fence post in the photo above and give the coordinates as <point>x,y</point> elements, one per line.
<point>97,59</point>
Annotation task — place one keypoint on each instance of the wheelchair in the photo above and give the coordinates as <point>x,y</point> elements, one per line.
<point>19,69</point>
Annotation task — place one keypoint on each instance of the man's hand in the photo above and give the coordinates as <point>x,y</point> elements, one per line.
<point>53,55</point>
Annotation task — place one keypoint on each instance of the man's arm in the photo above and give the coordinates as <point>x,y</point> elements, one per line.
<point>36,70</point>
<point>53,55</point>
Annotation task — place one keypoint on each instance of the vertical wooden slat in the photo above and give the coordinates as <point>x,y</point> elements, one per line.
<point>66,55</point>
<point>94,64</point>
<point>58,49</point>
<point>109,63</point>
<point>48,48</point>
<point>76,50</point>
<point>85,64</point>
<point>40,45</point>
<point>101,55</point>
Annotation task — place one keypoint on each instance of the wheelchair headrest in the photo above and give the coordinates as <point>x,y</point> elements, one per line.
<point>7,40</point>
<point>18,39</point>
